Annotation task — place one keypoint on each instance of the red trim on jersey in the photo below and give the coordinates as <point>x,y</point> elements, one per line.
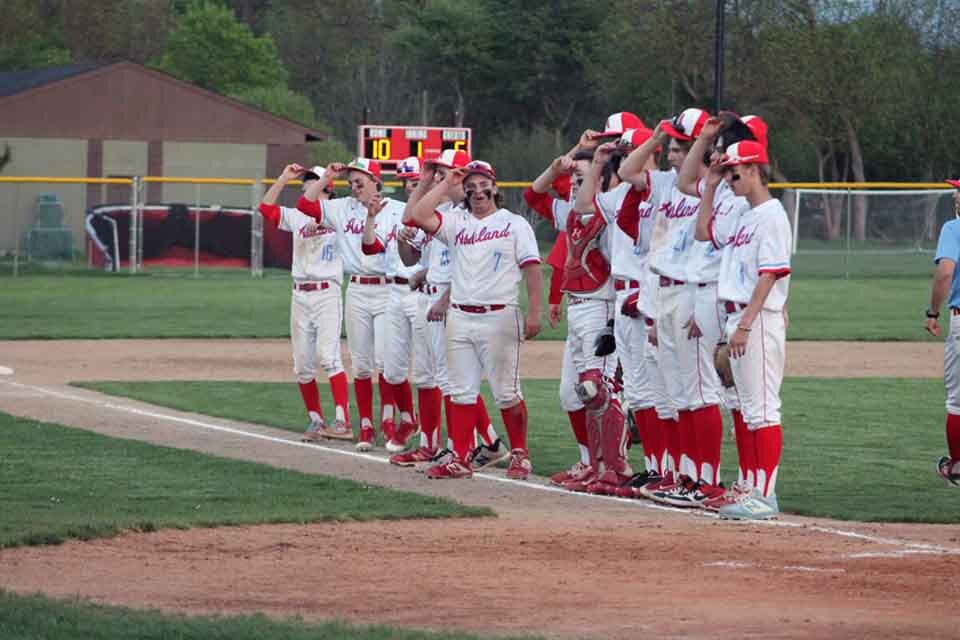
<point>310,207</point>
<point>542,203</point>
<point>270,212</point>
<point>628,217</point>
<point>373,248</point>
<point>526,263</point>
<point>779,273</point>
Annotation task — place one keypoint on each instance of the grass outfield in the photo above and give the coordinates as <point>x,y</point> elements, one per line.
<point>59,483</point>
<point>853,449</point>
<point>40,617</point>
<point>230,304</point>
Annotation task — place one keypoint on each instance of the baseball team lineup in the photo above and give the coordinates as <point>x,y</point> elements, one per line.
<point>675,263</point>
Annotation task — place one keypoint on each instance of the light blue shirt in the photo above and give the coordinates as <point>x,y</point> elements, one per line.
<point>949,247</point>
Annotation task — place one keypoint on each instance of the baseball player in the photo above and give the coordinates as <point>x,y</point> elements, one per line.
<point>676,353</point>
<point>409,173</point>
<point>753,287</point>
<point>710,317</point>
<point>491,249</point>
<point>945,280</point>
<point>315,310</point>
<point>368,291</point>
<point>430,361</point>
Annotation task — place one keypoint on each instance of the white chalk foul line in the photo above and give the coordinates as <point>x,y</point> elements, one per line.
<point>917,547</point>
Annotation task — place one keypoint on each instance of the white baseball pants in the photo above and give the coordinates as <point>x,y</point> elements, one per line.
<point>315,323</point>
<point>488,344</point>
<point>402,310</point>
<point>366,327</point>
<point>758,373</point>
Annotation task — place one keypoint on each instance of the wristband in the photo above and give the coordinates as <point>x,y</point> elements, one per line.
<point>932,315</point>
<point>744,329</point>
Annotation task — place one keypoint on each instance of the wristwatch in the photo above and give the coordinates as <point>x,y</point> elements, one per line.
<point>932,315</point>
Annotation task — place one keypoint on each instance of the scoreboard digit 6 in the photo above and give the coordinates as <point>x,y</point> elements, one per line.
<point>390,144</point>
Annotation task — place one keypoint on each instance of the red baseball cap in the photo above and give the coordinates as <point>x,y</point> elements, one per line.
<point>481,167</point>
<point>451,159</point>
<point>954,183</point>
<point>757,127</point>
<point>367,166</point>
<point>619,122</point>
<point>409,169</point>
<point>686,125</point>
<point>635,137</point>
<point>745,152</point>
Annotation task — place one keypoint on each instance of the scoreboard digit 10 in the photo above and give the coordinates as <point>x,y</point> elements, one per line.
<point>391,144</point>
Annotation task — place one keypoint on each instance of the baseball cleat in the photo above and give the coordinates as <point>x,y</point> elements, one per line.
<point>339,430</point>
<point>674,491</point>
<point>945,468</point>
<point>580,485</point>
<point>574,473</point>
<point>316,431</point>
<point>388,428</point>
<point>398,442</point>
<point>488,455</point>
<point>752,506</point>
<point>520,465</point>
<point>653,486</point>
<point>607,483</point>
<point>367,436</point>
<point>413,458</point>
<point>455,469</point>
<point>728,497</point>
<point>443,456</point>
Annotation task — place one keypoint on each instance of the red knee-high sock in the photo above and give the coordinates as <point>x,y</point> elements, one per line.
<point>430,402</point>
<point>311,396</point>
<point>708,422</point>
<point>403,396</point>
<point>363,390</point>
<point>653,445</point>
<point>769,444</point>
<point>745,453</point>
<point>515,420</point>
<point>953,436</point>
<point>386,398</point>
<point>671,446</point>
<point>578,423</point>
<point>448,410</point>
<point>341,394</point>
<point>484,425</point>
<point>460,427</point>
<point>687,445</point>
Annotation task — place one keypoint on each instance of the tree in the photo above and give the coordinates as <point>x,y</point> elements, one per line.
<point>210,48</point>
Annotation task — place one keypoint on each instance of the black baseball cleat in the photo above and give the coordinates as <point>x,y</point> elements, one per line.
<point>945,470</point>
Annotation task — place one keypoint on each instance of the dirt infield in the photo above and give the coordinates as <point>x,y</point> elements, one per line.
<point>553,563</point>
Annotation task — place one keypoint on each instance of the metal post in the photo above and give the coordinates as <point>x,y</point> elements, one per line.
<point>796,220</point>
<point>134,206</point>
<point>846,254</point>
<point>196,234</point>
<point>718,52</point>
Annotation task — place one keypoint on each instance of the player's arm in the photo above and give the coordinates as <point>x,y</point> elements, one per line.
<point>334,170</point>
<point>738,341</point>
<point>268,205</point>
<point>370,244</point>
<point>704,230</point>
<point>633,167</point>
<point>438,312</point>
<point>559,166</point>
<point>424,212</point>
<point>588,190</point>
<point>940,288</point>
<point>689,174</point>
<point>409,254</point>
<point>534,279</point>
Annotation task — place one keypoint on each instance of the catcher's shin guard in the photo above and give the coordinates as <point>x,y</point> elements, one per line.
<point>615,438</point>
<point>593,393</point>
<point>606,424</point>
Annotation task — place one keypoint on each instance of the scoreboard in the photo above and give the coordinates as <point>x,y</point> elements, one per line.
<point>391,144</point>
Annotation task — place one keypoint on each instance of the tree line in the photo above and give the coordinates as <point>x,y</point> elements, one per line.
<point>853,90</point>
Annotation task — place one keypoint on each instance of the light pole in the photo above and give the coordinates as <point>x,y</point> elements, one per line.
<point>718,55</point>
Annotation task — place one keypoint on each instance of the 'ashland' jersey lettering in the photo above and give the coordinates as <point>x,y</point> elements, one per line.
<point>487,255</point>
<point>675,209</point>
<point>347,216</point>
<point>316,254</point>
<point>704,263</point>
<point>759,243</point>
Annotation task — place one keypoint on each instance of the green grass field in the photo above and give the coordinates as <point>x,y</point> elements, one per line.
<point>58,483</point>
<point>46,303</point>
<point>36,617</point>
<point>853,449</point>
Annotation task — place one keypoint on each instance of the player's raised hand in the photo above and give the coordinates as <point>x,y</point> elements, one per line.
<point>291,172</point>
<point>711,128</point>
<point>531,326</point>
<point>562,165</point>
<point>455,177</point>
<point>715,172</point>
<point>604,152</point>
<point>336,169</point>
<point>376,205</point>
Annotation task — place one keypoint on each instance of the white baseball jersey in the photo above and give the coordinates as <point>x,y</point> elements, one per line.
<point>760,243</point>
<point>487,255</point>
<point>386,232</point>
<point>653,232</point>
<point>347,217</point>
<point>675,209</point>
<point>316,255</point>
<point>625,254</point>
<point>704,262</point>
<point>436,255</point>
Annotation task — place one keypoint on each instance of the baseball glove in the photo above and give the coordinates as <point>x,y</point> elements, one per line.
<point>721,361</point>
<point>605,342</point>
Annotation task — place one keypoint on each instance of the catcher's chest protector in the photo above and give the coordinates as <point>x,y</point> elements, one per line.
<point>586,268</point>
